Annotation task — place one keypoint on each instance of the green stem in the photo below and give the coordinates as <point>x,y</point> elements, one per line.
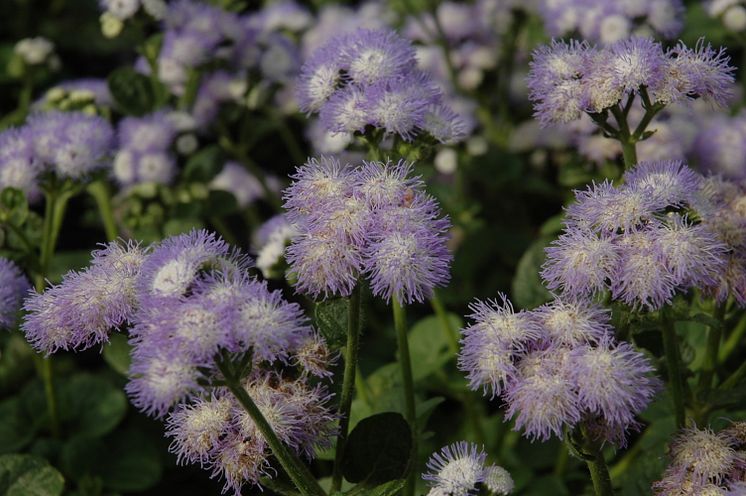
<point>629,153</point>
<point>348,383</point>
<point>600,474</point>
<point>563,456</point>
<point>99,190</point>
<point>296,470</point>
<point>733,340</point>
<point>445,323</point>
<point>400,325</point>
<point>54,213</point>
<point>714,336</point>
<point>361,387</point>
<point>671,348</point>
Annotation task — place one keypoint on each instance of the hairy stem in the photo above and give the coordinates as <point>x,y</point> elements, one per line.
<point>400,324</point>
<point>348,383</point>
<point>600,474</point>
<point>296,470</point>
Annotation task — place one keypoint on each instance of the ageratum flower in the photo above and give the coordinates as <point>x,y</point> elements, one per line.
<point>19,165</point>
<point>13,287</point>
<point>372,220</point>
<point>637,240</point>
<point>613,380</point>
<point>492,342</point>
<point>174,265</point>
<point>456,469</point>
<point>369,78</point>
<point>144,153</point>
<point>704,461</point>
<point>83,309</point>
<point>556,365</point>
<point>567,79</point>
<point>72,144</point>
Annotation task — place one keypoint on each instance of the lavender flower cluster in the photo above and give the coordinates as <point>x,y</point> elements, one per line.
<point>369,78</point>
<point>144,150</point>
<point>568,79</point>
<point>608,21</point>
<point>661,232</point>
<point>69,145</point>
<point>188,300</point>
<point>706,463</point>
<point>459,469</point>
<point>373,220</point>
<point>557,366</point>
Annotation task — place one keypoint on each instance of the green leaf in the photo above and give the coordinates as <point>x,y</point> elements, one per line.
<point>29,475</point>
<point>16,362</point>
<point>331,321</point>
<point>428,345</point>
<point>117,353</point>
<point>127,460</point>
<point>378,449</point>
<point>387,489</point>
<point>528,289</point>
<point>132,91</point>
<point>17,429</point>
<point>90,405</point>
<point>204,165</point>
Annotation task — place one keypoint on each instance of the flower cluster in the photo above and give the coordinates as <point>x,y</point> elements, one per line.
<point>270,241</point>
<point>144,153</point>
<point>369,78</point>
<point>556,366</point>
<point>13,288</point>
<point>372,220</point>
<point>643,240</point>
<point>567,79</point>
<point>36,52</point>
<point>189,301</point>
<point>608,21</point>
<point>459,469</point>
<point>71,145</point>
<point>115,12</point>
<point>720,146</point>
<point>705,462</point>
<point>82,310</point>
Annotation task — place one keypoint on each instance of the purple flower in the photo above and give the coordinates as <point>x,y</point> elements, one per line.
<point>492,343</point>
<point>692,253</point>
<point>579,263</point>
<point>408,263</point>
<point>296,411</point>
<point>345,111</point>
<point>382,185</point>
<point>154,132</point>
<point>19,166</point>
<point>608,209</point>
<point>542,398</point>
<point>642,278</point>
<point>456,469</point>
<point>370,56</point>
<point>573,322</point>
<point>668,182</point>
<point>702,72</point>
<point>555,81</point>
<point>443,124</point>
<point>198,428</point>
<point>323,264</point>
<point>320,77</point>
<point>160,377</point>
<point>13,287</point>
<point>84,308</point>
<point>720,146</point>
<point>613,381</point>
<point>257,318</point>
<point>637,62</point>
<point>174,265</point>
<point>73,144</point>
<point>316,184</point>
